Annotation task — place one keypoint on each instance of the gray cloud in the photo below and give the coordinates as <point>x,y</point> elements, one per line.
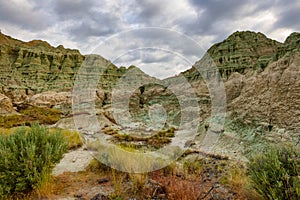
<point>98,24</point>
<point>72,9</point>
<point>288,13</point>
<point>215,17</point>
<point>147,11</point>
<point>86,18</point>
<point>210,12</point>
<point>24,13</point>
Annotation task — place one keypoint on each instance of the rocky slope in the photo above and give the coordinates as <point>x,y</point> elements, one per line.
<point>251,60</point>
<point>242,52</point>
<point>271,93</point>
<point>262,93</point>
<point>28,68</point>
<point>6,106</point>
<point>37,73</point>
<point>261,78</point>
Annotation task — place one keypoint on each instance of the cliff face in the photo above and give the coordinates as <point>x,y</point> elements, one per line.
<point>261,78</point>
<point>242,52</point>
<point>27,68</point>
<point>273,96</point>
<point>30,68</point>
<point>36,73</point>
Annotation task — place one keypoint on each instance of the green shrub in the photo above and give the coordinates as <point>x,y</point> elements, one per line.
<point>27,157</point>
<point>275,174</point>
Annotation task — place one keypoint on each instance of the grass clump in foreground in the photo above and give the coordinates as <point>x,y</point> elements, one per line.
<point>27,157</point>
<point>275,174</point>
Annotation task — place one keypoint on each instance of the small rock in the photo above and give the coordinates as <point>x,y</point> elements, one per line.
<point>100,197</point>
<point>79,197</point>
<point>6,105</point>
<point>103,180</point>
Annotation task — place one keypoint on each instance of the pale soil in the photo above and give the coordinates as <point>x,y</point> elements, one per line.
<point>73,161</point>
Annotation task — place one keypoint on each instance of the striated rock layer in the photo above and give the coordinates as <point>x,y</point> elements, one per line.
<point>28,68</point>
<point>261,78</point>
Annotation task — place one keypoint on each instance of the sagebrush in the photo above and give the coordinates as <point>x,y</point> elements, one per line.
<point>275,173</point>
<point>27,157</point>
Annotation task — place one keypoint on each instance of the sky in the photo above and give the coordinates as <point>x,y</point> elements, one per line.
<point>162,37</point>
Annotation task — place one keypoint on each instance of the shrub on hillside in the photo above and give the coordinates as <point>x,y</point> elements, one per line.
<point>27,157</point>
<point>275,174</point>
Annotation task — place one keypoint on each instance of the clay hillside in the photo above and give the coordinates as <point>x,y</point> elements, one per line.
<point>261,78</point>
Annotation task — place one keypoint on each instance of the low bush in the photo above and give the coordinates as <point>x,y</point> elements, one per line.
<point>237,180</point>
<point>27,157</point>
<point>275,173</point>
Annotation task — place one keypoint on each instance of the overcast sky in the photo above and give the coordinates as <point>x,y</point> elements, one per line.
<point>86,24</point>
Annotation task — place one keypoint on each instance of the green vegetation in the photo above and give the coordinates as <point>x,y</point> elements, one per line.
<point>27,157</point>
<point>30,114</point>
<point>8,121</point>
<point>157,140</point>
<point>275,173</point>
<point>237,180</point>
<point>73,137</point>
<point>97,167</point>
<point>193,167</point>
<point>8,131</point>
<point>43,114</point>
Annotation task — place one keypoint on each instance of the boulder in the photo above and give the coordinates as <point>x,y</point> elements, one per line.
<point>51,99</point>
<point>6,106</point>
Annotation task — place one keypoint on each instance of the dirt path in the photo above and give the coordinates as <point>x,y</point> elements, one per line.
<point>73,161</point>
<point>73,182</point>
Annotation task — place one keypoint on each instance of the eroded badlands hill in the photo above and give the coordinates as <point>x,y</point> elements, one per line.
<point>261,78</point>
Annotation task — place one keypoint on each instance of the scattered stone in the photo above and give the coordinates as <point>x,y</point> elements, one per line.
<point>79,197</point>
<point>103,180</point>
<point>51,99</point>
<point>6,106</point>
<point>100,197</point>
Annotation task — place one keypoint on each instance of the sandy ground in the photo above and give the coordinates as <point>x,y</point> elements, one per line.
<point>73,161</point>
